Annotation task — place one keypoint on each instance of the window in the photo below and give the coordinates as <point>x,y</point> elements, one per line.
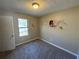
<point>23,29</point>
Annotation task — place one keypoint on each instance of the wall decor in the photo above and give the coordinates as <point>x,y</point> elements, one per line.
<point>57,23</point>
<point>51,23</point>
<point>61,27</point>
<point>62,24</point>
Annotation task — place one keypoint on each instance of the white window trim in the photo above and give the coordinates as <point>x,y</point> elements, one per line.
<point>23,27</point>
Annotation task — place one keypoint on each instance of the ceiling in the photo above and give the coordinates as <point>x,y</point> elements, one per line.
<point>46,6</point>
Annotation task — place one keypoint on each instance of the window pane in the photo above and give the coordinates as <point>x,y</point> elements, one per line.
<point>22,22</point>
<point>23,31</point>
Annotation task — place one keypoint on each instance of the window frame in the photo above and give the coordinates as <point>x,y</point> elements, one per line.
<point>23,27</point>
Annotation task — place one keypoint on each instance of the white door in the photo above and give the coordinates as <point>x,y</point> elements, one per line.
<point>7,33</point>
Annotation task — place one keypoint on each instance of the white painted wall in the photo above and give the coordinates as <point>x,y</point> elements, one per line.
<point>67,38</point>
<point>33,31</point>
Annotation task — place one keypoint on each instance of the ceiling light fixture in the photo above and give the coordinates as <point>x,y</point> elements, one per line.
<point>35,5</point>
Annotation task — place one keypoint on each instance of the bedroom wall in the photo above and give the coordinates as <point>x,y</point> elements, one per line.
<point>33,31</point>
<point>68,37</point>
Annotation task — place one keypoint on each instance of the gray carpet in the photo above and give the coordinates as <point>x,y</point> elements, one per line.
<point>36,50</point>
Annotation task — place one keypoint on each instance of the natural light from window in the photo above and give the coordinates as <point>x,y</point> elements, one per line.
<point>23,28</point>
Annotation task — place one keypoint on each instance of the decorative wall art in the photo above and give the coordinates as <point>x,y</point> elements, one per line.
<point>51,23</point>
<point>55,23</point>
<point>61,27</point>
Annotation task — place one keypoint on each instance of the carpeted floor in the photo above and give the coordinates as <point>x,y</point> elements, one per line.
<point>36,50</point>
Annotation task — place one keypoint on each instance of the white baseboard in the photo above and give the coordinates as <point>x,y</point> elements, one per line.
<point>28,41</point>
<point>61,48</point>
<point>78,57</point>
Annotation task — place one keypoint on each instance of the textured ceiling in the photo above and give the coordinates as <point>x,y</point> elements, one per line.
<point>46,6</point>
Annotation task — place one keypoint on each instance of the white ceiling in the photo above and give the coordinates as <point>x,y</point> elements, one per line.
<point>46,6</point>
